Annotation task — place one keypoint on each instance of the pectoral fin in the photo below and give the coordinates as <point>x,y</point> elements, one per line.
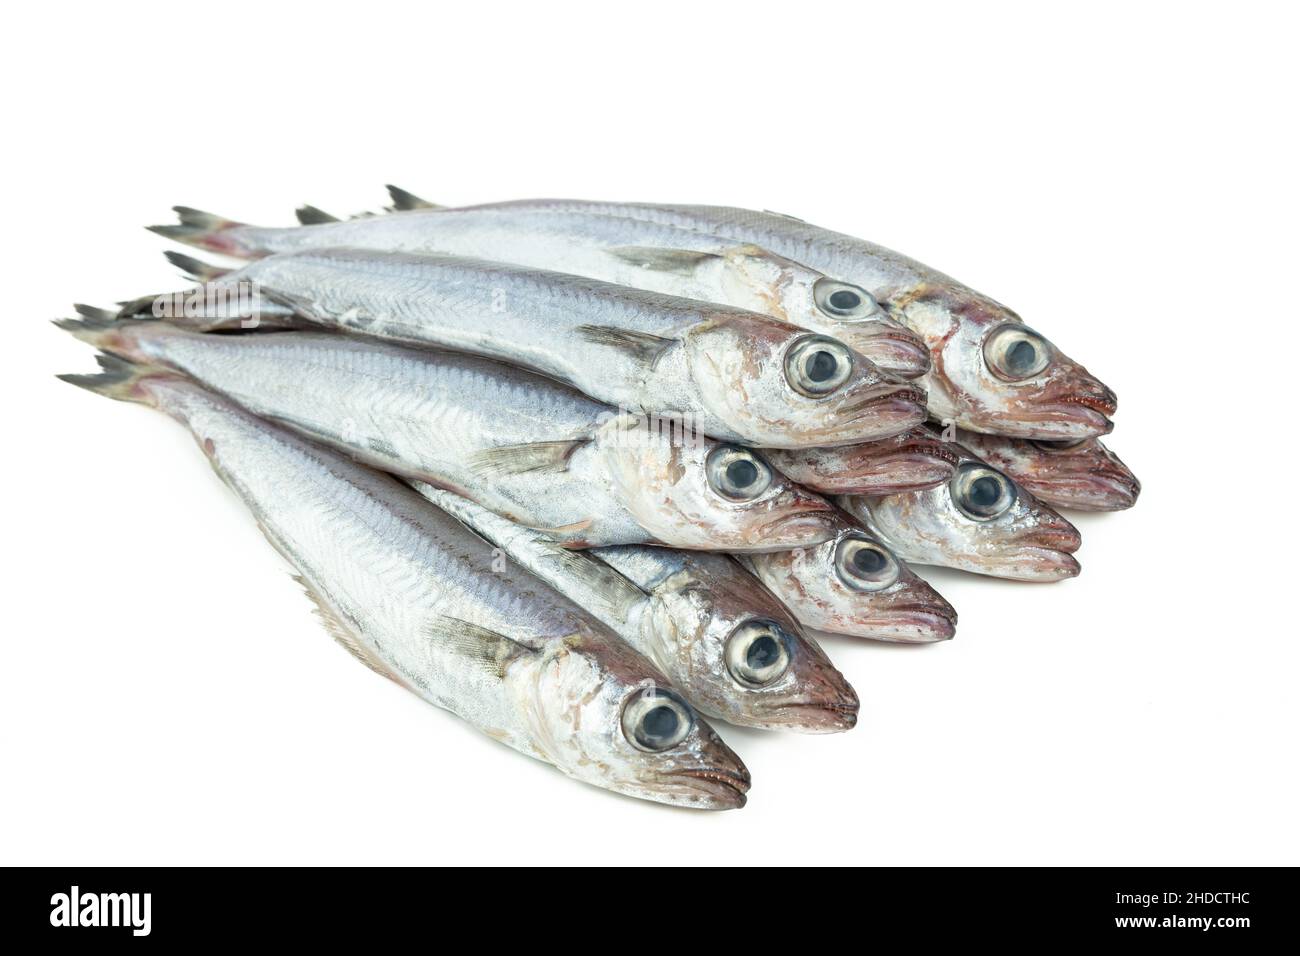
<point>680,261</point>
<point>541,456</point>
<point>643,347</point>
<point>489,650</point>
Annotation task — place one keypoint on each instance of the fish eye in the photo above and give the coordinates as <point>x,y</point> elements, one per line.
<point>1015,352</point>
<point>843,301</point>
<point>982,493</point>
<point>865,565</point>
<point>737,474</point>
<point>655,719</point>
<point>817,365</point>
<point>758,652</point>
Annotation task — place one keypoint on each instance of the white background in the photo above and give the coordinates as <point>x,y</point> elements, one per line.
<point>1123,175</point>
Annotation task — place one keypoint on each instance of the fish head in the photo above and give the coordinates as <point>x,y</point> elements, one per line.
<point>992,373</point>
<point>689,491</point>
<point>602,713</point>
<point>915,458</point>
<point>1084,475</point>
<point>794,293</point>
<point>744,657</point>
<point>979,521</point>
<point>784,387</point>
<point>855,585</point>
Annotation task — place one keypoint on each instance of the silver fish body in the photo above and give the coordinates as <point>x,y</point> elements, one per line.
<point>521,445</point>
<point>989,372</point>
<point>979,521</point>
<point>420,599</point>
<point>626,251</point>
<point>1083,475</point>
<point>853,585</point>
<point>732,650</point>
<point>734,375</point>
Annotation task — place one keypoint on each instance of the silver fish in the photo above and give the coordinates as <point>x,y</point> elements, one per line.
<point>732,650</point>
<point>989,371</point>
<point>521,445</point>
<point>1083,475</point>
<point>416,597</point>
<point>624,251</point>
<point>853,585</point>
<point>915,459</point>
<point>734,375</point>
<point>979,521</point>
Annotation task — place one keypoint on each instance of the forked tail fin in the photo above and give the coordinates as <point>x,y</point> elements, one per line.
<point>119,379</point>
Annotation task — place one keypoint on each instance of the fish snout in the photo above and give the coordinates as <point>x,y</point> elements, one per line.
<point>894,349</point>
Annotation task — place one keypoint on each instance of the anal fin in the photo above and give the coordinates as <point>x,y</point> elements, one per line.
<point>345,634</point>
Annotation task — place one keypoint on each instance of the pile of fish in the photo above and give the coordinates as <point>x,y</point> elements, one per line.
<point>587,473</point>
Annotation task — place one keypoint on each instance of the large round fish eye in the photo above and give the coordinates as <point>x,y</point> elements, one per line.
<point>865,565</point>
<point>736,473</point>
<point>982,493</point>
<point>758,652</point>
<point>1015,352</point>
<point>817,365</point>
<point>655,719</point>
<point>843,301</point>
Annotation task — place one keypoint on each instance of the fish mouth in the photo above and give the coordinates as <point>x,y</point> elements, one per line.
<point>1084,414</point>
<point>1099,490</point>
<point>1035,565</point>
<point>724,789</point>
<point>810,716</point>
<point>894,350</point>
<point>914,624</point>
<point>909,469</point>
<point>810,525</point>
<point>891,409</point>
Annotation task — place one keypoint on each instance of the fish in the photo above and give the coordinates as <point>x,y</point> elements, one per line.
<point>979,521</point>
<point>659,258</point>
<point>735,375</point>
<point>912,460</point>
<point>989,371</point>
<point>853,585</point>
<point>1082,475</point>
<point>526,447</point>
<point>421,600</point>
<point>732,649</point>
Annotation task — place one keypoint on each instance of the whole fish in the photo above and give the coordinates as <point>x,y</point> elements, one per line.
<point>418,598</point>
<point>917,458</point>
<point>989,371</point>
<point>724,641</point>
<point>525,447</point>
<point>853,585</point>
<point>735,375</point>
<point>660,258</point>
<point>1083,475</point>
<point>979,521</point>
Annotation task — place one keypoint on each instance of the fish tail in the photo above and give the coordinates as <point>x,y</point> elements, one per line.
<point>119,379</point>
<point>103,330</point>
<point>208,231</point>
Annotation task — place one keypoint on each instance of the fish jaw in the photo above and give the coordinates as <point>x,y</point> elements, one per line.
<point>1063,402</point>
<point>1084,476</point>
<point>911,460</point>
<point>663,481</point>
<point>908,610</point>
<point>739,367</point>
<point>1028,542</point>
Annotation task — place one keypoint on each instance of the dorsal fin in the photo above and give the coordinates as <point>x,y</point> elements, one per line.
<point>311,216</point>
<point>404,201</point>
